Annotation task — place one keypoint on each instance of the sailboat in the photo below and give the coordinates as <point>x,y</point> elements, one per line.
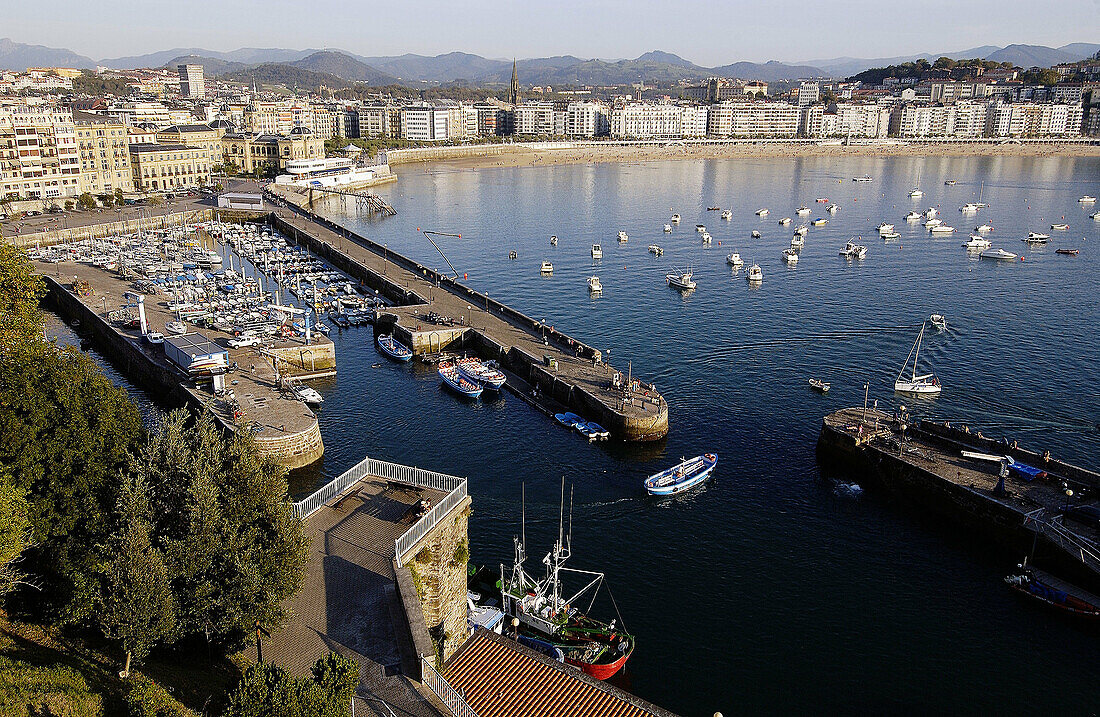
<point>975,206</point>
<point>917,193</point>
<point>546,612</point>
<point>926,384</point>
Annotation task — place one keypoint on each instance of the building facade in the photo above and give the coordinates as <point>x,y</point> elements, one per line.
<point>39,157</point>
<point>103,143</point>
<point>192,82</point>
<point>157,167</point>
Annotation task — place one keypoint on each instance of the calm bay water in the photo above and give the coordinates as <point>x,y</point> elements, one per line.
<point>767,590</point>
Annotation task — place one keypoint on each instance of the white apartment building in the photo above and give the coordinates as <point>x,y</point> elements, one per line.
<point>534,118</point>
<point>585,119</point>
<point>39,158</point>
<point>638,120</point>
<point>950,91</point>
<point>810,121</point>
<point>970,118</point>
<point>808,93</point>
<point>424,123</point>
<point>753,119</point>
<point>859,120</point>
<point>1025,119</point>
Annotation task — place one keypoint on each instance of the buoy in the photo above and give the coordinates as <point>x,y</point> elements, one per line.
<point>465,276</point>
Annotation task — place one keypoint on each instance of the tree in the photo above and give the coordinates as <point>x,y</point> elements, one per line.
<point>338,677</point>
<point>155,201</point>
<point>118,197</point>
<point>86,200</point>
<point>136,605</point>
<point>269,690</point>
<point>15,532</point>
<point>20,291</point>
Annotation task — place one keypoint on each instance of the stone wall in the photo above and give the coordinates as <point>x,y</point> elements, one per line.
<point>295,450</point>
<point>306,359</point>
<point>438,567</point>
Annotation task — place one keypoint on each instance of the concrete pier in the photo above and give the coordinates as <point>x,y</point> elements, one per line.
<point>561,367</point>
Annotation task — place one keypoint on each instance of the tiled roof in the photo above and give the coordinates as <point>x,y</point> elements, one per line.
<point>501,678</point>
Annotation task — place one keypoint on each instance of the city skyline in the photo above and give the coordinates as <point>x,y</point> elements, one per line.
<point>705,33</point>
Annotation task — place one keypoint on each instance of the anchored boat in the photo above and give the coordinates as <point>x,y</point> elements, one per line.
<point>926,384</point>
<point>484,372</point>
<point>687,474</point>
<point>680,280</point>
<point>1055,593</point>
<point>458,383</point>
<point>393,348</point>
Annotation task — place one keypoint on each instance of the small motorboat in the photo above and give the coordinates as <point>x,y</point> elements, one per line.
<point>546,268</point>
<point>756,274</point>
<point>984,228</point>
<point>1095,216</point>
<point>707,238</point>
<point>938,320</point>
<point>885,227</point>
<point>833,208</point>
<point>675,219</point>
<point>512,255</point>
<point>569,420</point>
<point>714,209</point>
<point>685,475</point>
<point>668,228</point>
<point>727,214</point>
<point>931,212</point>
<point>863,178</point>
<point>762,212</point>
<point>916,193</point>
<point>820,222</point>
<point>458,383</point>
<point>819,385</point>
<point>1068,252</point>
<point>784,221</point>
<point>1087,199</point>
<point>307,395</point>
<point>734,260</point>
<point>594,284</point>
<point>932,223</point>
<point>790,256</point>
<point>655,250</point>
<point>822,200</point>
<point>1055,593</point>
<point>393,348</point>
<point>998,253</point>
<point>483,372</point>
<point>801,230</point>
<point>797,242</point>
<point>913,217</point>
<point>623,237</point>
<point>852,250</point>
<point>890,235</point>
<point>942,229</point>
<point>597,251</point>
<point>553,241</point>
<point>755,234</point>
<point>680,280</point>
<point>1059,227</point>
<point>154,337</point>
<point>700,228</point>
<point>802,210</point>
<point>950,182</point>
<point>1035,238</point>
<point>175,327</point>
<point>977,242</point>
<point>591,430</point>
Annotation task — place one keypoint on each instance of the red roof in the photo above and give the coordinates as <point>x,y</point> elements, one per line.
<point>501,678</point>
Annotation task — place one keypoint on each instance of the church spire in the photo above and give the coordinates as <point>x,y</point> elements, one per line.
<point>514,95</point>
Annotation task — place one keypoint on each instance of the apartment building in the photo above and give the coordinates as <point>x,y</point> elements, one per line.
<point>1026,119</point>
<point>586,119</point>
<point>638,120</point>
<point>157,167</point>
<point>194,135</point>
<point>753,119</point>
<point>534,118</point>
<point>949,91</point>
<point>192,82</point>
<point>103,143</point>
<point>39,157</point>
<point>862,120</point>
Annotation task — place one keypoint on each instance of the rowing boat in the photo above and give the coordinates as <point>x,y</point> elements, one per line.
<point>687,474</point>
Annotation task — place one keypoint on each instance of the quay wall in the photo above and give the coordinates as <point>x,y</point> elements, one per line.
<point>293,450</point>
<point>107,229</point>
<point>294,360</point>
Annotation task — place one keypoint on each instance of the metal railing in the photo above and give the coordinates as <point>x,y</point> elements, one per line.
<point>413,535</point>
<point>1069,541</point>
<point>451,697</point>
<point>311,504</point>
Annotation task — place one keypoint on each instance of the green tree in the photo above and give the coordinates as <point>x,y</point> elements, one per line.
<point>118,197</point>
<point>20,291</point>
<point>15,532</point>
<point>86,200</point>
<point>136,606</point>
<point>338,677</point>
<point>268,690</point>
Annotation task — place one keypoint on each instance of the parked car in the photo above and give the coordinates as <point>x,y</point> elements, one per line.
<point>245,341</point>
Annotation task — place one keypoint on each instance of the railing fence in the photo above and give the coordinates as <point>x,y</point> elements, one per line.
<point>451,697</point>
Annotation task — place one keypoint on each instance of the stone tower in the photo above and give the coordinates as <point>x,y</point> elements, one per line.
<point>514,94</point>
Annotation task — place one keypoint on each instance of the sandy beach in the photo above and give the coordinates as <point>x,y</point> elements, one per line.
<point>519,157</point>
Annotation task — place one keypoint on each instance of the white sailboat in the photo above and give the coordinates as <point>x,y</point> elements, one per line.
<point>916,193</point>
<point>926,384</point>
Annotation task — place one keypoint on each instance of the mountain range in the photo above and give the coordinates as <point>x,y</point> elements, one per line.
<point>417,70</point>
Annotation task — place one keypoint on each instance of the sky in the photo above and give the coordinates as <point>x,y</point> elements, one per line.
<point>708,33</point>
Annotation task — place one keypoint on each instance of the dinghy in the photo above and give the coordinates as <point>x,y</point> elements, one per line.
<point>394,349</point>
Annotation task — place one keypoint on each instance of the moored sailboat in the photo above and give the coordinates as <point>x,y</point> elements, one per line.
<point>926,384</point>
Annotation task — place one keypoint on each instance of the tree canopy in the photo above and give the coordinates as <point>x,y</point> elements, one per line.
<point>268,690</point>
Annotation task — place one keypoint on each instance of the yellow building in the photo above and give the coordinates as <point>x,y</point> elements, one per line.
<point>157,167</point>
<point>104,153</point>
<point>270,152</point>
<point>194,135</point>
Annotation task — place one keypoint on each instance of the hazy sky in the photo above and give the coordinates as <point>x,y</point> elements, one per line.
<point>707,33</point>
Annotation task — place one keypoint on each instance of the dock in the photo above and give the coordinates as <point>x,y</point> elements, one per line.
<point>433,312</point>
<point>963,475</point>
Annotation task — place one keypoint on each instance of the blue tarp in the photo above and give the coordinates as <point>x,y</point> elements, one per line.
<point>1026,473</point>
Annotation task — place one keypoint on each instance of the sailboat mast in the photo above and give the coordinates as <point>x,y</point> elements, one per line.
<point>916,355</point>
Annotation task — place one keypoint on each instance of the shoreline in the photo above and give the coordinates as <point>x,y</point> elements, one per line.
<point>616,153</point>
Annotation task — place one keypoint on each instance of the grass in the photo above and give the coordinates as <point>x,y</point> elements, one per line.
<point>48,672</point>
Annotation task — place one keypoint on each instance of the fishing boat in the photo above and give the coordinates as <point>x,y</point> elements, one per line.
<point>913,217</point>
<point>655,250</point>
<point>950,182</point>
<point>458,383</point>
<point>727,214</point>
<point>553,241</point>
<point>1087,199</point>
<point>885,227</point>
<point>998,253</point>
<point>1070,252</point>
<point>1055,593</point>
<point>594,284</point>
<point>545,610</point>
<point>942,229</point>
<point>597,251</point>
<point>675,219</point>
<point>680,280</point>
<point>938,320</point>
<point>756,274</point>
<point>819,385</point>
<point>762,212</point>
<point>977,242</point>
<point>984,228</point>
<point>755,234</point>
<point>393,348</point>
<point>175,327</point>
<point>546,268</point>
<point>790,256</point>
<point>926,384</point>
<point>307,395</point>
<point>784,221</point>
<point>700,228</point>
<point>734,260</point>
<point>863,178</point>
<point>1059,227</point>
<point>820,222</point>
<point>685,475</point>
<point>484,372</point>
<point>797,242</point>
<point>623,237</point>
<point>852,250</point>
<point>668,228</point>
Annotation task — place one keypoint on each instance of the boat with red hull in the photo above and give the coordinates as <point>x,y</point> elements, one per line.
<point>1055,593</point>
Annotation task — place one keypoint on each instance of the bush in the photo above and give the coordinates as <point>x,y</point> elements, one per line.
<point>40,690</point>
<point>145,698</point>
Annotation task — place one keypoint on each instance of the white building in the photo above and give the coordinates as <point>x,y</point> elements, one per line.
<point>860,120</point>
<point>808,93</point>
<point>192,82</point>
<point>753,119</point>
<point>534,118</point>
<point>586,119</point>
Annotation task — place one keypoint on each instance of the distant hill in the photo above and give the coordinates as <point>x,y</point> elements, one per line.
<point>286,75</point>
<point>441,68</point>
<point>1022,55</point>
<point>769,71</point>
<point>247,55</point>
<point>17,56</point>
<point>1033,55</point>
<point>667,58</point>
<point>343,66</point>
<point>211,66</point>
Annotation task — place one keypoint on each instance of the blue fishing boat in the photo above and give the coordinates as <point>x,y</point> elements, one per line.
<point>484,373</point>
<point>569,420</point>
<point>458,383</point>
<point>687,474</point>
<point>392,348</point>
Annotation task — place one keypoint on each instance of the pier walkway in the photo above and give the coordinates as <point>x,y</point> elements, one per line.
<point>570,371</point>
